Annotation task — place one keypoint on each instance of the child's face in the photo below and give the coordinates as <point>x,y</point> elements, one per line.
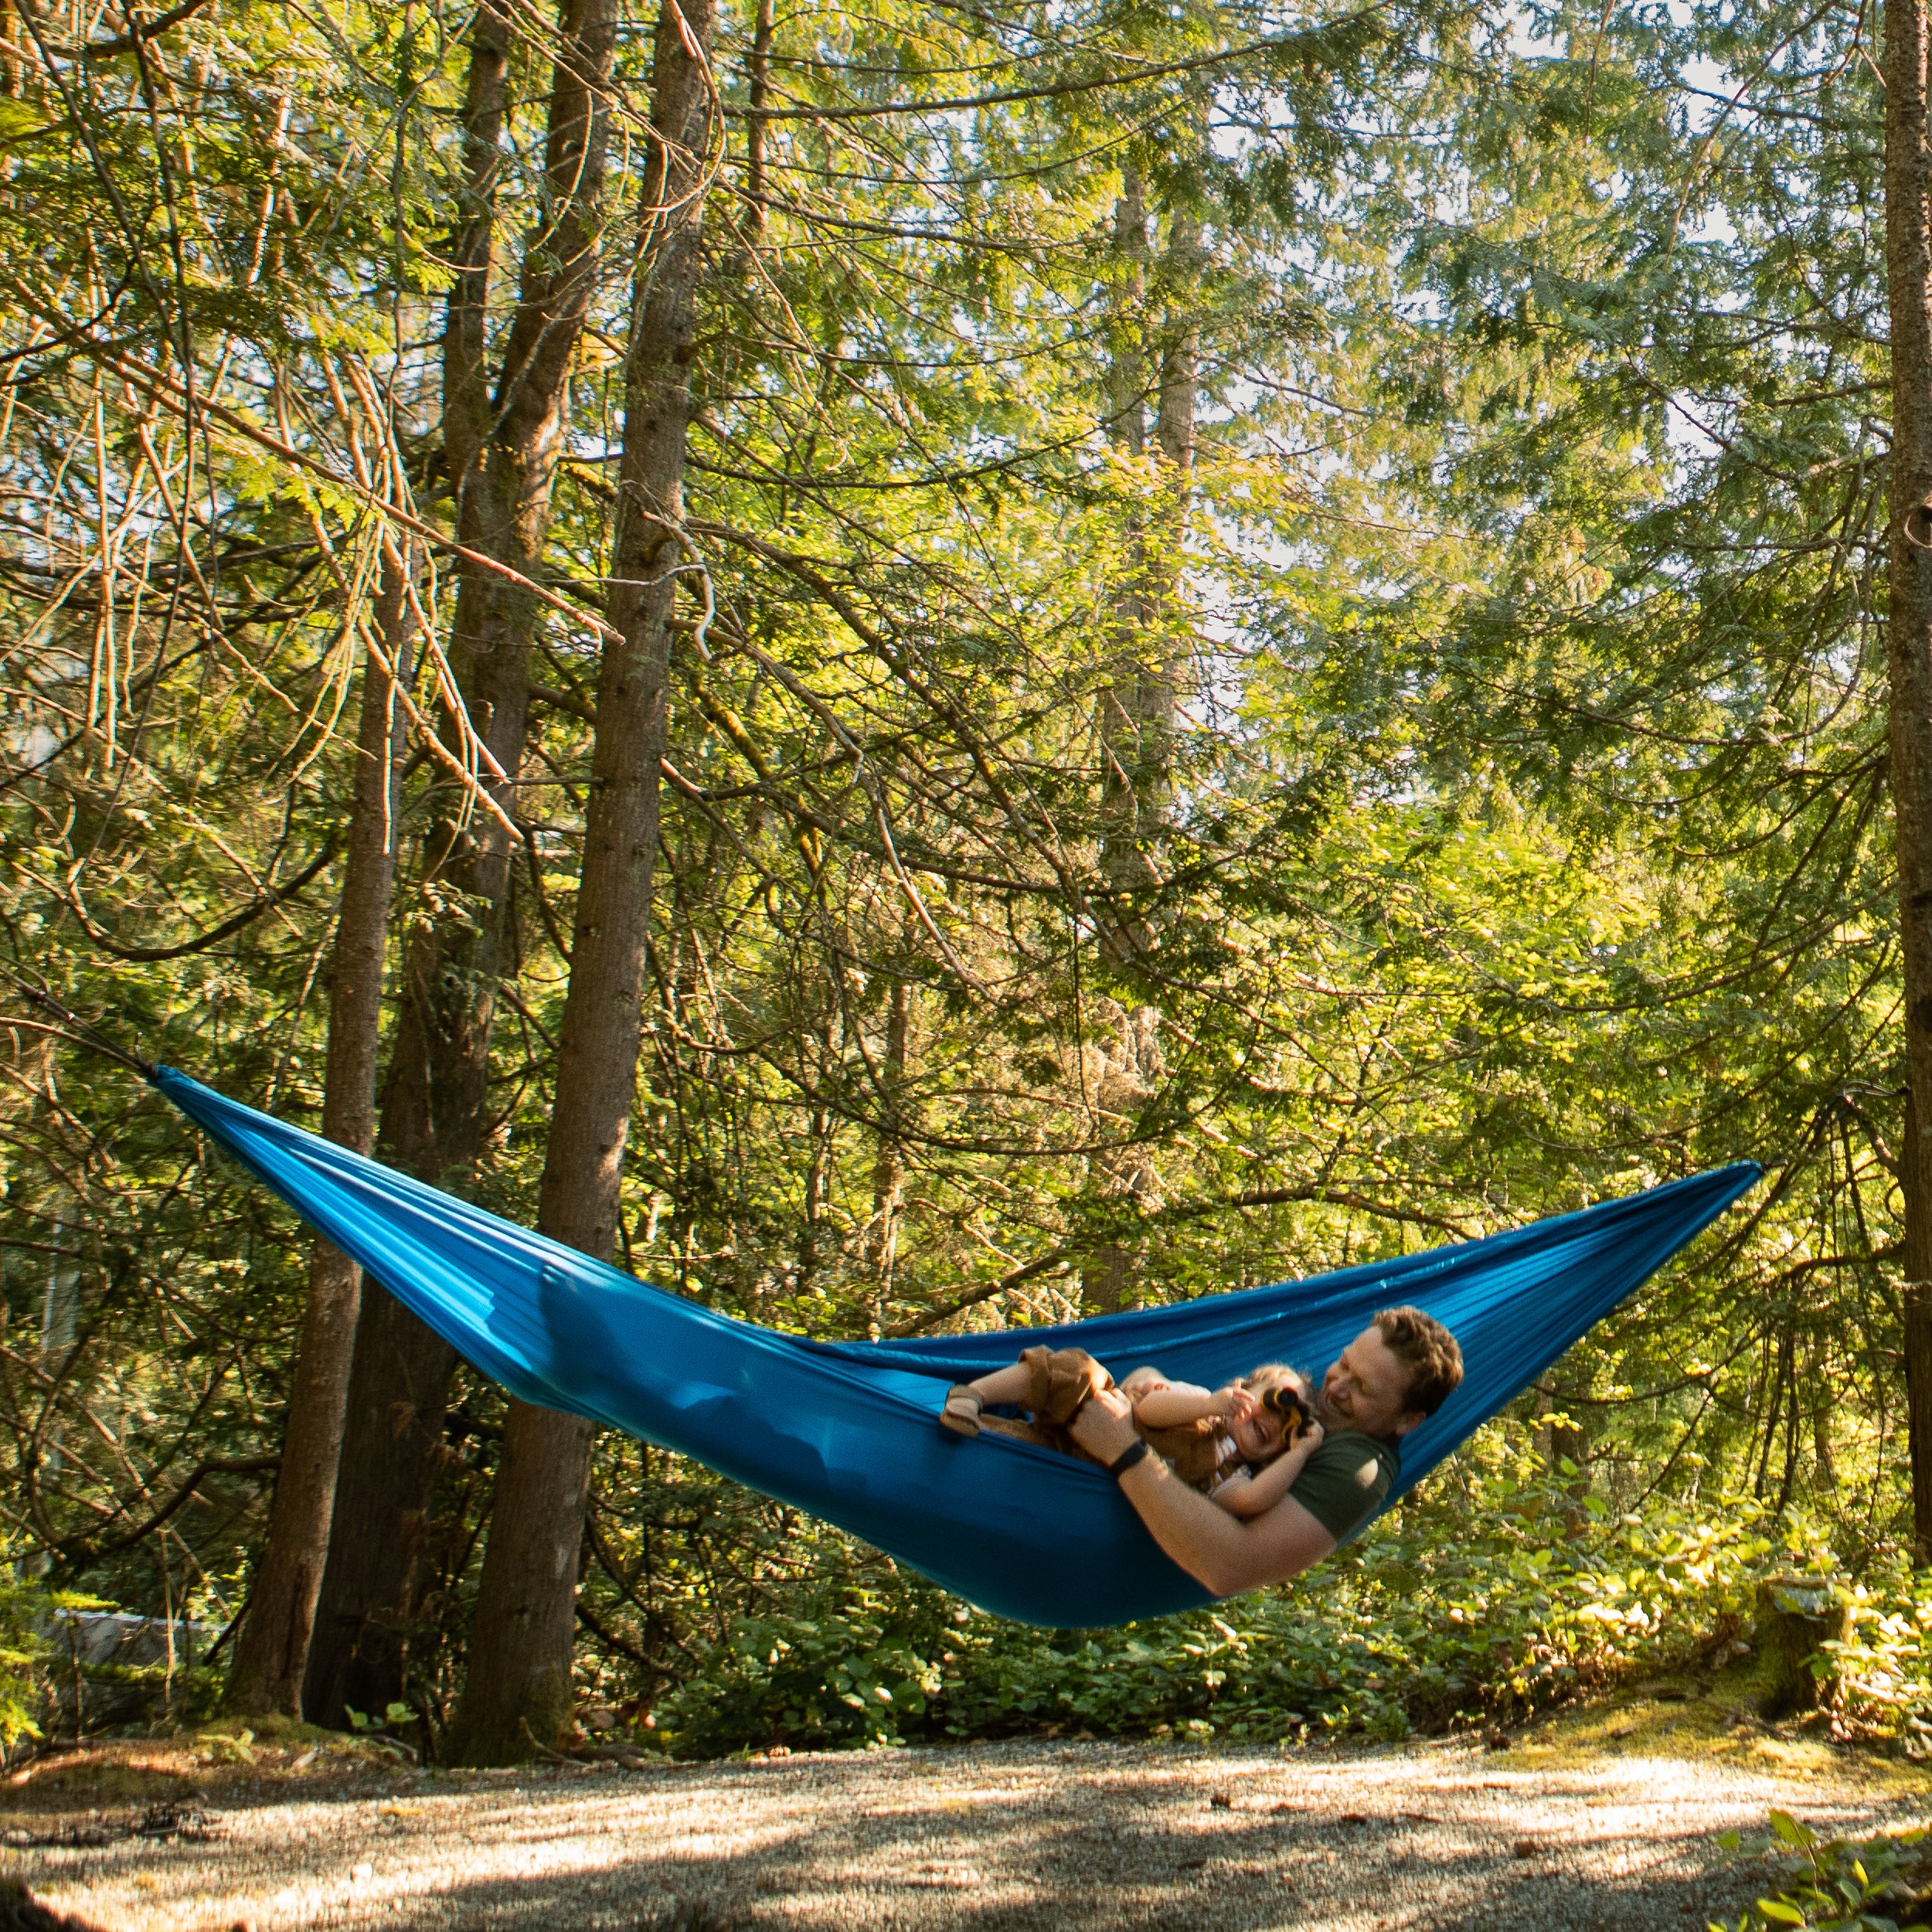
<point>1257,1434</point>
<point>1258,1430</point>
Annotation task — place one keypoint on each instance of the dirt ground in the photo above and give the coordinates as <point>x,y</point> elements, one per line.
<point>1610,1822</point>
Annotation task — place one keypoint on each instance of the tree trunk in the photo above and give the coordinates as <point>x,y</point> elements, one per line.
<point>888,1170</point>
<point>1137,726</point>
<point>1137,720</point>
<point>1123,864</point>
<point>1127,399</point>
<point>271,1654</point>
<point>1908,249</point>
<point>1797,1618</point>
<point>501,450</point>
<point>517,1694</point>
<point>466,380</point>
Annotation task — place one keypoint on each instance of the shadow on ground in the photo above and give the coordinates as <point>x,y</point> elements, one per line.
<point>1019,1835</point>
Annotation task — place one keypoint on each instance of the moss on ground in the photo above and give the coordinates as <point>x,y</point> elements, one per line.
<point>220,1761</point>
<point>1715,1718</point>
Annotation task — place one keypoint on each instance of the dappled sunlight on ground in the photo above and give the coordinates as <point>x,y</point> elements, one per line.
<point>1581,1824</point>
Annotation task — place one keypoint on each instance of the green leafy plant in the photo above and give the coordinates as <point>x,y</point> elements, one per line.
<point>22,1649</point>
<point>1463,1609</point>
<point>31,1650</point>
<point>1839,1881</point>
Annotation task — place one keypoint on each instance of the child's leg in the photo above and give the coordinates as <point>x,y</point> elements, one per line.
<point>1052,1383</point>
<point>1008,1385</point>
<point>1061,1380</point>
<point>965,1399</point>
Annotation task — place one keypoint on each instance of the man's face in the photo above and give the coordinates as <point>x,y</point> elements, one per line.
<point>1367,1389</point>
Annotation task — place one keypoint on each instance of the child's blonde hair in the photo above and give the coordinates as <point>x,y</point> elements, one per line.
<point>1274,1375</point>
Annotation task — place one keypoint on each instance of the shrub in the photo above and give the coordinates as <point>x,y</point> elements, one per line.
<point>1837,1884</point>
<point>1494,1600</point>
<point>29,1612</point>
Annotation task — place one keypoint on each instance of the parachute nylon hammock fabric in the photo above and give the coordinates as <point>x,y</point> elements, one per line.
<point>848,1430</point>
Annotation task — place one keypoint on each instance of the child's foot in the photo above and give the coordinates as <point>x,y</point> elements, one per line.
<point>962,1412</point>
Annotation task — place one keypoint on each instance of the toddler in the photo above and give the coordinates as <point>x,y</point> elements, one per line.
<point>1243,1444</point>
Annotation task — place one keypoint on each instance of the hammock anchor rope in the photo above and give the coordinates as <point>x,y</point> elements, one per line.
<point>84,1032</point>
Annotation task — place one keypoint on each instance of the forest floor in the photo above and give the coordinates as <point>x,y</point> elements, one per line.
<point>1605,1817</point>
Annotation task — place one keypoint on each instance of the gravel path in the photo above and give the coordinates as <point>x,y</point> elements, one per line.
<point>1019,1835</point>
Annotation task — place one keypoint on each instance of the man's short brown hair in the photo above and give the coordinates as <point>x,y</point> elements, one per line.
<point>1428,1351</point>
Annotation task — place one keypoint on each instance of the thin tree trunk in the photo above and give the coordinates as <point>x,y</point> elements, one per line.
<point>517,1694</point>
<point>758,75</point>
<point>466,377</point>
<point>812,1222</point>
<point>1127,421</point>
<point>502,452</point>
<point>888,1170</point>
<point>1908,248</point>
<point>271,1653</point>
<point>9,60</point>
<point>1137,718</point>
<point>1817,1387</point>
<point>1155,698</point>
<point>1107,1275</point>
<point>1122,863</point>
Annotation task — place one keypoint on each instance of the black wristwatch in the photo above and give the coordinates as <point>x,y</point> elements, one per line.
<point>1127,1458</point>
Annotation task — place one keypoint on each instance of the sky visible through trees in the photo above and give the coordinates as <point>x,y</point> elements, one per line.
<point>1220,640</point>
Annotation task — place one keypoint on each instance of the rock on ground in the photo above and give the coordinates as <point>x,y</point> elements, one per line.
<point>1032,1834</point>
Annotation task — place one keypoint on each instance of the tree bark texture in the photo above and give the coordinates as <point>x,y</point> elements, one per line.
<point>517,1696</point>
<point>502,450</point>
<point>1908,248</point>
<point>466,379</point>
<point>271,1653</point>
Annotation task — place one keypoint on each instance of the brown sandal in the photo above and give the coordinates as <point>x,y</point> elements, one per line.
<point>962,1421</point>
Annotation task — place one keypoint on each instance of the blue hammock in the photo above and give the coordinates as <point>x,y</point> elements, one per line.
<point>848,1430</point>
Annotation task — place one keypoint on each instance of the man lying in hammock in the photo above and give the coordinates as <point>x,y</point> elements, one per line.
<point>1389,1380</point>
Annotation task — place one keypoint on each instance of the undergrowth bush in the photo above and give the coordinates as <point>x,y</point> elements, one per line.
<point>29,1611</point>
<point>1883,1670</point>
<point>1503,1592</point>
<point>1830,1885</point>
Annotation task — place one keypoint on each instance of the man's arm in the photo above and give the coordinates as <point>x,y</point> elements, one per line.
<point>1224,1554</point>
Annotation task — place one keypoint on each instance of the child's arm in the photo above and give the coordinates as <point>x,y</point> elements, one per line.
<point>1246,1496</point>
<point>1168,1403</point>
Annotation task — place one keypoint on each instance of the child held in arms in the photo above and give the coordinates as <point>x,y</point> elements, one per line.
<point>1243,1444</point>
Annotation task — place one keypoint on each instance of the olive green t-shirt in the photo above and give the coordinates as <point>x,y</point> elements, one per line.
<point>1345,1479</point>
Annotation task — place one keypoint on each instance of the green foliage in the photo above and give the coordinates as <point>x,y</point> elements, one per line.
<point>1842,1885</point>
<point>23,1647</point>
<point>30,1652</point>
<point>1456,796</point>
<point>1882,1674</point>
<point>1483,1603</point>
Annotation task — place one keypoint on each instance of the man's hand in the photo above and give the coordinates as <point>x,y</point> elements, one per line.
<point>1105,1426</point>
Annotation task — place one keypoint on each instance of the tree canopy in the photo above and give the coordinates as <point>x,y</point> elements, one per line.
<point>1278,655</point>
